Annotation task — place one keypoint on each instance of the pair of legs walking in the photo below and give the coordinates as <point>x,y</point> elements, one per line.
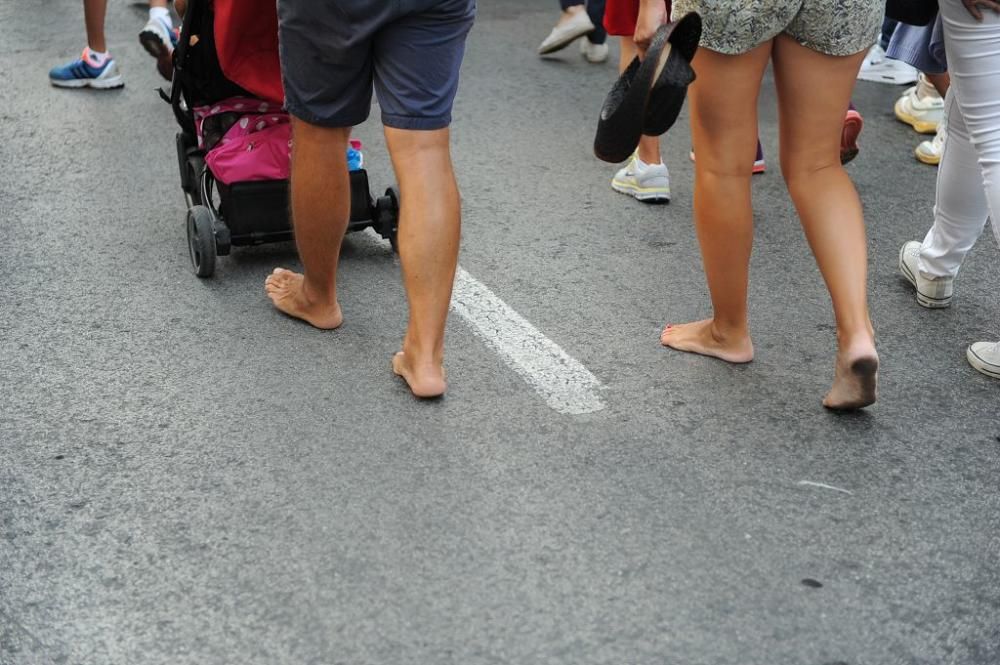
<point>968,183</point>
<point>410,52</point>
<point>429,227</point>
<point>814,91</point>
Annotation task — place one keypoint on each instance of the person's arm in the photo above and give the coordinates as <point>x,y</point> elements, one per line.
<point>652,14</point>
<point>974,7</point>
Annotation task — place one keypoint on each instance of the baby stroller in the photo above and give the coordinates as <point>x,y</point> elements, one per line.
<point>234,144</point>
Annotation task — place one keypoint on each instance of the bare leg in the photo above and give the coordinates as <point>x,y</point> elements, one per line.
<point>429,225</point>
<point>649,146</point>
<point>157,3</point>
<point>321,207</point>
<point>93,17</point>
<point>941,82</point>
<point>813,89</point>
<point>724,130</point>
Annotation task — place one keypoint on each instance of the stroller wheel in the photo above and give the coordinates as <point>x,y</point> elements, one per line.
<point>201,240</point>
<point>388,217</point>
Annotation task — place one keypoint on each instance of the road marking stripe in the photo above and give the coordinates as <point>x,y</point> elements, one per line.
<point>565,384</point>
<point>810,483</point>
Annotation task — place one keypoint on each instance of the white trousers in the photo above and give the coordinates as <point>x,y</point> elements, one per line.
<point>968,181</point>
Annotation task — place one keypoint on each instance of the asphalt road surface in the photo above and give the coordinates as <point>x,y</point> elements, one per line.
<point>188,477</point>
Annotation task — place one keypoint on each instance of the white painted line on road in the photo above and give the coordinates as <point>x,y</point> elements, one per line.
<point>825,486</point>
<point>565,384</point>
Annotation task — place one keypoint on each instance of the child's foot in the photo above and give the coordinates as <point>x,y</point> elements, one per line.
<point>703,338</point>
<point>855,380</point>
<point>90,70</point>
<point>286,289</point>
<point>426,380</point>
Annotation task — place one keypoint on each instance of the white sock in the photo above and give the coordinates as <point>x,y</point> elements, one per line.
<point>643,165</point>
<point>161,13</point>
<point>96,58</point>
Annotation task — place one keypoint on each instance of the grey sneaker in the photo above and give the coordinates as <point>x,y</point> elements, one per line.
<point>649,183</point>
<point>932,293</point>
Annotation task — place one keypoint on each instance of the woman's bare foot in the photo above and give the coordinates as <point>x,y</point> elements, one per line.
<point>703,337</point>
<point>426,380</point>
<point>287,291</point>
<point>855,380</point>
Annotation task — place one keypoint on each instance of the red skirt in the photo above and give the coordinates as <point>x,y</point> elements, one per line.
<point>620,17</point>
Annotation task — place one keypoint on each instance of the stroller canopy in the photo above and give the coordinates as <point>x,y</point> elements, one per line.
<point>246,39</point>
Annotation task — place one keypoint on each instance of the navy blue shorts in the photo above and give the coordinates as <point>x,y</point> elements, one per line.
<point>334,51</point>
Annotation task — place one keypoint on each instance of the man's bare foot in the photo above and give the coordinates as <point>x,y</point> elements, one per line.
<point>428,380</point>
<point>855,380</point>
<point>286,290</point>
<point>702,337</point>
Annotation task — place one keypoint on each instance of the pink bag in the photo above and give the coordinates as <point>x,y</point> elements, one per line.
<point>253,149</point>
<point>258,146</point>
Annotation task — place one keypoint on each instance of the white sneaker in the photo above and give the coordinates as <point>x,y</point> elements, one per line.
<point>565,32</point>
<point>876,67</point>
<point>929,152</point>
<point>985,357</point>
<point>921,107</point>
<point>595,53</point>
<point>155,37</point>
<point>649,183</point>
<point>931,293</point>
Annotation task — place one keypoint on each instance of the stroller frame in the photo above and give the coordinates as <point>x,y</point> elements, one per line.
<point>221,216</point>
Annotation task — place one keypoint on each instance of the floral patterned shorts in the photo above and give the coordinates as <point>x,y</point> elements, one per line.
<point>834,27</point>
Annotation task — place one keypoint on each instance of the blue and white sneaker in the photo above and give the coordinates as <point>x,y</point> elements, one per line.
<point>86,72</point>
<point>159,39</point>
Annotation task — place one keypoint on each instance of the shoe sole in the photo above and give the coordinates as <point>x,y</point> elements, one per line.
<point>921,157</point>
<point>153,44</point>
<point>926,301</point>
<point>564,42</point>
<point>156,48</point>
<point>980,365</point>
<point>849,137</point>
<point>646,195</point>
<point>920,126</point>
<point>99,84</point>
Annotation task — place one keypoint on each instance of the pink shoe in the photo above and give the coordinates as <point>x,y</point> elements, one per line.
<point>853,122</point>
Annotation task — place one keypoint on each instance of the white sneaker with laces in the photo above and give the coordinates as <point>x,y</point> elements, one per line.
<point>649,183</point>
<point>921,107</point>
<point>929,152</point>
<point>985,358</point>
<point>566,32</point>
<point>931,293</point>
<point>595,53</point>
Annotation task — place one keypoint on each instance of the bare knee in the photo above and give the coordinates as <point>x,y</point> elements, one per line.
<point>801,174</point>
<point>417,141</point>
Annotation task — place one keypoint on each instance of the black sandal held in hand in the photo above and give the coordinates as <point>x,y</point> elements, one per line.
<point>648,96</point>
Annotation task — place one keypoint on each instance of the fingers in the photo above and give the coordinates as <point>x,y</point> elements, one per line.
<point>974,7</point>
